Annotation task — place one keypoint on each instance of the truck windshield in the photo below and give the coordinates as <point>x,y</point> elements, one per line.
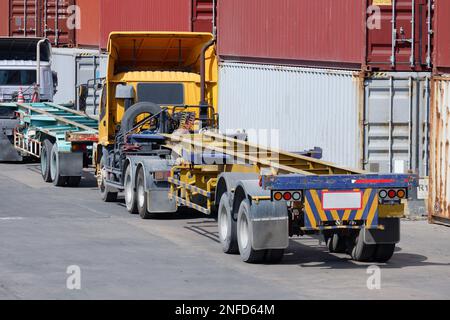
<point>169,94</point>
<point>17,77</point>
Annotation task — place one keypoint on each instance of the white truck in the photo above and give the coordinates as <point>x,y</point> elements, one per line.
<point>25,65</point>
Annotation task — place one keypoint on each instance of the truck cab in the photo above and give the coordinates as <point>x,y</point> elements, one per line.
<point>163,68</point>
<point>19,68</point>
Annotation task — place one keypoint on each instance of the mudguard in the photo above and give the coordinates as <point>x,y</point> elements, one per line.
<point>269,219</point>
<point>70,164</point>
<point>157,192</point>
<point>7,150</point>
<point>230,181</point>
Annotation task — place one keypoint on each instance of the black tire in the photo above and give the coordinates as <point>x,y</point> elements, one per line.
<point>362,252</point>
<point>141,197</point>
<point>130,193</point>
<point>58,180</point>
<point>106,194</point>
<point>134,111</point>
<point>274,256</point>
<point>384,252</point>
<point>73,182</point>
<point>337,244</point>
<point>46,151</point>
<point>245,236</point>
<point>227,226</point>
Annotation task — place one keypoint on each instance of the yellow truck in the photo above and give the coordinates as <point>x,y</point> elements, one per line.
<point>159,144</point>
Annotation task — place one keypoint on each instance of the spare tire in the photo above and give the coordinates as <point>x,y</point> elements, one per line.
<point>134,111</point>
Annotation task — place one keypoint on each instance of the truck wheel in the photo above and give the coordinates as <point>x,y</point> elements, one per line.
<point>46,152</point>
<point>57,179</point>
<point>227,226</point>
<point>73,182</point>
<point>107,195</point>
<point>245,236</point>
<point>336,244</point>
<point>141,197</point>
<point>274,256</point>
<point>361,251</point>
<point>130,194</point>
<point>384,252</point>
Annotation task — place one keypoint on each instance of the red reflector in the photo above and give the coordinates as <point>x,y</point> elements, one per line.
<point>287,196</point>
<point>371,181</point>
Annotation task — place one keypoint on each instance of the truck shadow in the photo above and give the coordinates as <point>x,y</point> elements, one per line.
<point>308,253</point>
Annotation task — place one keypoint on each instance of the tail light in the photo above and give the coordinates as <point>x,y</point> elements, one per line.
<point>401,194</point>
<point>79,147</point>
<point>287,196</point>
<point>392,194</point>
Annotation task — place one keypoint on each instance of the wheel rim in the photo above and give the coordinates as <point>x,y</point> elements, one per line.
<point>223,225</point>
<point>44,161</point>
<point>53,166</point>
<point>141,195</point>
<point>128,190</point>
<point>243,231</point>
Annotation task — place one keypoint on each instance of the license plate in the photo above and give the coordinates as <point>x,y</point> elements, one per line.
<point>341,200</point>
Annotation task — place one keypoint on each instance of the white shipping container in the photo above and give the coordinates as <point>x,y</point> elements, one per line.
<point>307,107</point>
<point>75,67</point>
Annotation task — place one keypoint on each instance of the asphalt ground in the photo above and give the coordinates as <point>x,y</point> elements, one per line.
<point>44,230</point>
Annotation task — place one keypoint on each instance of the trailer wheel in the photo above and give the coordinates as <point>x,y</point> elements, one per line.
<point>130,194</point>
<point>46,152</point>
<point>141,197</point>
<point>73,182</point>
<point>245,236</point>
<point>57,179</point>
<point>227,226</point>
<point>361,251</point>
<point>384,252</point>
<point>107,195</point>
<point>274,256</point>
<point>336,244</point>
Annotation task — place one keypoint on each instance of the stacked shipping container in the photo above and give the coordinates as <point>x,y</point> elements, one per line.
<point>97,18</point>
<point>390,76</point>
<point>364,94</point>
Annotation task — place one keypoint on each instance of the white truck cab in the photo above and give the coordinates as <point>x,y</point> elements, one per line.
<point>19,67</point>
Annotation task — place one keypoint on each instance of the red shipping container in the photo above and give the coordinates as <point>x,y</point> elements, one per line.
<point>441,29</point>
<point>42,18</point>
<point>4,18</point>
<point>89,32</point>
<point>143,15</point>
<point>326,33</point>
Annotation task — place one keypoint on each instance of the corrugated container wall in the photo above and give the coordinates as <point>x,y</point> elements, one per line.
<point>4,18</point>
<point>292,31</point>
<point>143,15</point>
<point>439,184</point>
<point>300,108</point>
<point>328,33</point>
<point>89,33</point>
<point>42,18</point>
